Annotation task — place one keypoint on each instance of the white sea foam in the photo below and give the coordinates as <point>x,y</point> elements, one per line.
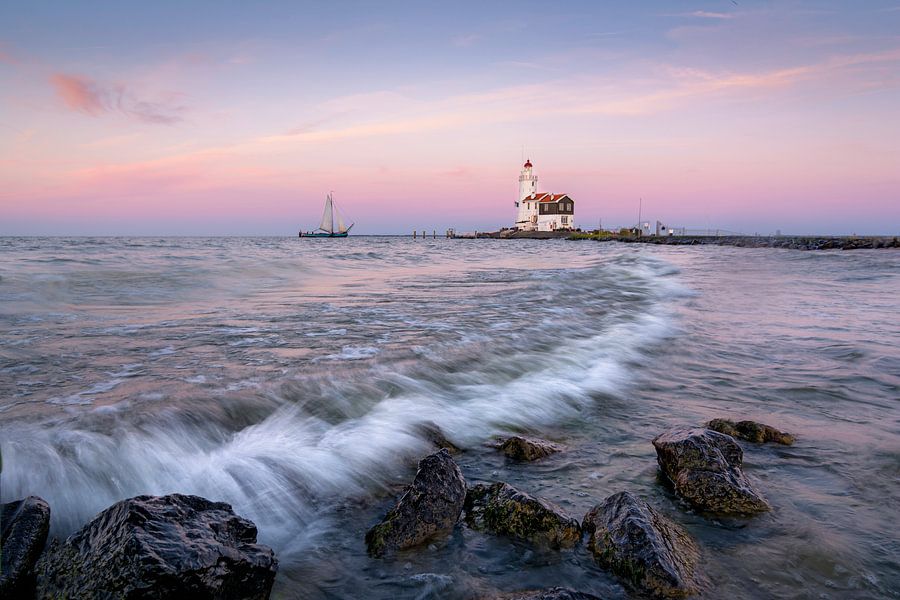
<point>353,353</point>
<point>243,385</point>
<point>84,396</point>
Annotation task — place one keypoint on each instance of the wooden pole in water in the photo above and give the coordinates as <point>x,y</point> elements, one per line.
<point>414,234</point>
<point>434,234</point>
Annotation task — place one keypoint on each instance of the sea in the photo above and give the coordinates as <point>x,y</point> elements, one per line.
<point>291,378</point>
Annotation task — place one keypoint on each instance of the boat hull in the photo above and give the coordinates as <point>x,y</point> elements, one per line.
<point>317,234</point>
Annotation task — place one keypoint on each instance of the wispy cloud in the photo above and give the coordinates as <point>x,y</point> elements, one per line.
<point>603,34</point>
<point>520,64</point>
<point>399,115</point>
<point>83,94</point>
<point>313,125</point>
<point>703,14</point>
<point>80,93</point>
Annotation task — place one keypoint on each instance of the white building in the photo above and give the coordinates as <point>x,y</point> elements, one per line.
<point>540,211</point>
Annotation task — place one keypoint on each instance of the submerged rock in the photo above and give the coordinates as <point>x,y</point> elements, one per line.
<point>650,552</point>
<point>502,509</point>
<point>23,533</point>
<point>434,434</point>
<point>557,593</point>
<point>704,466</point>
<point>431,505</point>
<point>751,431</point>
<point>173,546</point>
<point>524,448</point>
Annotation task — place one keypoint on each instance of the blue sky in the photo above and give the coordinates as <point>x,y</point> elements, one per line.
<point>227,118</point>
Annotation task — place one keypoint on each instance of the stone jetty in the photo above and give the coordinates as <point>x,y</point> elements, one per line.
<point>752,241</point>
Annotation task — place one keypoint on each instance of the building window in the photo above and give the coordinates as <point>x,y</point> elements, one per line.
<point>564,219</point>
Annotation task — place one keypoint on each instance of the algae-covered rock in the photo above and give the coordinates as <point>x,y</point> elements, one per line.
<point>502,509</point>
<point>23,532</point>
<point>704,467</point>
<point>524,448</point>
<point>751,431</point>
<point>434,434</point>
<point>648,551</point>
<point>557,593</point>
<point>173,546</point>
<point>431,505</point>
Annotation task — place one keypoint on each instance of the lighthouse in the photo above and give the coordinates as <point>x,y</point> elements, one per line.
<point>527,187</point>
<point>541,211</point>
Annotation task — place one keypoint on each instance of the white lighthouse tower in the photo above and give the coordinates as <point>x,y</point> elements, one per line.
<point>527,187</point>
<point>542,211</point>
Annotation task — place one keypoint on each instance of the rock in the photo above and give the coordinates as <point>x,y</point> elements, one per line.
<point>430,506</point>
<point>434,434</point>
<point>173,546</point>
<point>23,533</point>
<point>650,552</point>
<point>751,431</point>
<point>523,448</point>
<point>557,593</point>
<point>704,466</point>
<point>504,510</point>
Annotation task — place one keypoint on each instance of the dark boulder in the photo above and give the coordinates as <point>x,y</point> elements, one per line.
<point>23,533</point>
<point>648,551</point>
<point>557,593</point>
<point>704,467</point>
<point>430,506</point>
<point>173,546</point>
<point>434,434</point>
<point>751,431</point>
<point>504,510</point>
<point>523,448</point>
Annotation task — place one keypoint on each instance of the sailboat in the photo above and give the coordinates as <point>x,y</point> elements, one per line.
<point>332,223</point>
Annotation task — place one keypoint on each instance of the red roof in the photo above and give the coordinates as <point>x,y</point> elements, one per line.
<point>545,197</point>
<point>528,164</point>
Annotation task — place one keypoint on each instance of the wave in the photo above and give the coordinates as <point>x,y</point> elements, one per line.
<point>332,440</point>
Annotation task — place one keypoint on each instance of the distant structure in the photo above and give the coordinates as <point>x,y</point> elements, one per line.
<point>644,229</point>
<point>540,211</point>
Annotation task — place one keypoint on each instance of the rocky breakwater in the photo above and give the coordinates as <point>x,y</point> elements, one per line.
<point>24,525</point>
<point>704,467</point>
<point>429,507</point>
<point>504,510</point>
<point>652,554</point>
<point>754,241</point>
<point>172,546</point>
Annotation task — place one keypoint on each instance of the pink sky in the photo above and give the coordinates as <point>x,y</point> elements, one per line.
<point>749,118</point>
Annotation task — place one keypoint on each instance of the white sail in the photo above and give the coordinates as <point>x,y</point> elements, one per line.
<point>328,216</point>
<point>341,228</point>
